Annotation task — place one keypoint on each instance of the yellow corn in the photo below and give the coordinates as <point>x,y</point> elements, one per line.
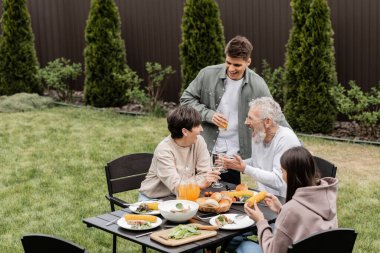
<point>241,193</point>
<point>152,205</point>
<point>150,218</point>
<point>258,197</point>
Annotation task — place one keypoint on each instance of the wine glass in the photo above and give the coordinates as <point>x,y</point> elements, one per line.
<point>221,149</point>
<point>216,165</point>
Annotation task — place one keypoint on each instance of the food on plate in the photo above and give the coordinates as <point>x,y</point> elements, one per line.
<point>257,198</point>
<point>139,224</point>
<point>180,208</point>
<point>184,231</point>
<point>147,207</point>
<point>241,193</point>
<point>241,187</point>
<point>217,196</point>
<point>240,196</point>
<point>150,218</point>
<point>222,220</point>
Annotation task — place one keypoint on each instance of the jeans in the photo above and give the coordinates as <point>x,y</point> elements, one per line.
<point>237,241</point>
<point>142,197</point>
<point>249,246</point>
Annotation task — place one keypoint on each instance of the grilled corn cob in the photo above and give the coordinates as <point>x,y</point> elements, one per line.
<point>150,218</point>
<point>241,193</point>
<point>152,205</point>
<point>258,197</point>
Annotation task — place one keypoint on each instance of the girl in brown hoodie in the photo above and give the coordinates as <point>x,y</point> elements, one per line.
<point>310,206</point>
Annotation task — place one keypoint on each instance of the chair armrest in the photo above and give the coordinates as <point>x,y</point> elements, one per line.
<point>117,201</point>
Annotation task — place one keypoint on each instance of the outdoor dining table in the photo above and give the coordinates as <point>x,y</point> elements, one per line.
<point>101,222</point>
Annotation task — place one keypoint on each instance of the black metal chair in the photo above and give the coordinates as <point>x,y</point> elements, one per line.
<point>39,243</point>
<point>124,174</point>
<point>326,168</point>
<point>340,240</point>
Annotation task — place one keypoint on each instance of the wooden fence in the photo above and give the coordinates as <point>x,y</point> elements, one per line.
<point>151,30</point>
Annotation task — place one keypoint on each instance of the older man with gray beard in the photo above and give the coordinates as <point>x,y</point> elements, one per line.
<point>269,142</point>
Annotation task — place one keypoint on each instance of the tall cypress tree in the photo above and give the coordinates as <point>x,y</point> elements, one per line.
<point>18,60</point>
<point>104,55</point>
<point>311,71</point>
<point>202,38</point>
<point>300,9</point>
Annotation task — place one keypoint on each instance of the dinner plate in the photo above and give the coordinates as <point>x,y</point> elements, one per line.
<point>122,223</point>
<point>239,223</point>
<point>134,207</point>
<point>241,202</point>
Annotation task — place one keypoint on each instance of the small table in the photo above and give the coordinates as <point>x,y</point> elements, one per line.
<point>100,222</point>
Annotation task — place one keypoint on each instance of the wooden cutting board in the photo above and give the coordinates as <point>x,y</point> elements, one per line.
<point>160,236</point>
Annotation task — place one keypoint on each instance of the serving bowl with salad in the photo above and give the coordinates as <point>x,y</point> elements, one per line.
<point>178,210</point>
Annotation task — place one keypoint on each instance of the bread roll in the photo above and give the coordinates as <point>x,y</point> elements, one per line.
<point>224,203</point>
<point>227,198</point>
<point>241,187</point>
<point>201,201</point>
<point>211,202</point>
<point>217,196</point>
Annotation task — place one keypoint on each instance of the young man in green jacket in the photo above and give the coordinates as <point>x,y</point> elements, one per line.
<point>221,94</point>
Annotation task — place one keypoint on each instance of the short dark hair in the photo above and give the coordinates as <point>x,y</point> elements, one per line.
<point>239,47</point>
<point>182,117</point>
<point>300,168</point>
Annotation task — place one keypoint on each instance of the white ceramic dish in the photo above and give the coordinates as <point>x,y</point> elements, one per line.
<point>134,207</point>
<point>122,223</point>
<point>239,223</point>
<point>166,208</point>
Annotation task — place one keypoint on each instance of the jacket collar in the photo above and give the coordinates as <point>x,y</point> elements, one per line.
<point>223,74</point>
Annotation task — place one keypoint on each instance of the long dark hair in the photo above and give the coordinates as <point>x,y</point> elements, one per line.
<point>300,168</point>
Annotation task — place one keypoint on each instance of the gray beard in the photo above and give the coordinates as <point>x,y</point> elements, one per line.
<point>259,136</point>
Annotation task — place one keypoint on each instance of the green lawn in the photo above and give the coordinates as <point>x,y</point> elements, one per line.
<point>52,175</point>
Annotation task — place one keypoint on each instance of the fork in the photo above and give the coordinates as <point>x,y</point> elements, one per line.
<point>239,216</point>
<point>112,221</point>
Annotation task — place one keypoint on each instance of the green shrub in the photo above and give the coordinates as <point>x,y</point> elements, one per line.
<point>202,38</point>
<point>276,81</point>
<point>131,82</point>
<point>310,66</point>
<point>22,102</point>
<point>18,60</point>
<point>157,81</point>
<point>104,56</point>
<point>363,107</point>
<point>56,74</point>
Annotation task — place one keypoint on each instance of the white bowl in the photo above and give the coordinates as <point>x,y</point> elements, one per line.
<point>166,208</point>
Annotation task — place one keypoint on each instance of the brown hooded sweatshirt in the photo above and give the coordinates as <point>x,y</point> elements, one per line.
<point>311,210</point>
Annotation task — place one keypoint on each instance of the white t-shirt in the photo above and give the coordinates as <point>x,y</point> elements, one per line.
<point>264,165</point>
<point>229,107</point>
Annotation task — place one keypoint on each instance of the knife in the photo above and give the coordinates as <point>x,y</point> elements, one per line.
<point>200,226</point>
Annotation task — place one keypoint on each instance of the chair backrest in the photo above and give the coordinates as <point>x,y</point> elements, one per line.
<point>39,243</point>
<point>340,240</point>
<point>127,172</point>
<point>326,168</point>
